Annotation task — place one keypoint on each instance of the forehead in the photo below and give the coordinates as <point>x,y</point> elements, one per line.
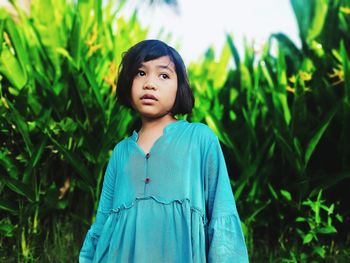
<point>162,62</point>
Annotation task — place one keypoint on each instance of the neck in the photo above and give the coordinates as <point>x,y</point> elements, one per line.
<point>157,123</point>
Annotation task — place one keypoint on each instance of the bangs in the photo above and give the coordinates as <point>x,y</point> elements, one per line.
<point>156,52</point>
<point>150,52</point>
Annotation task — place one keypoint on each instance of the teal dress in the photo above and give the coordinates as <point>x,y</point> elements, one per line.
<point>173,205</point>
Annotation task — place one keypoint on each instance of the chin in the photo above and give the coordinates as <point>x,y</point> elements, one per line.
<point>149,114</point>
<point>153,115</point>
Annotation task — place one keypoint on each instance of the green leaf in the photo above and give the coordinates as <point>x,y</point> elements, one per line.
<point>74,160</point>
<point>339,217</point>
<point>2,26</point>
<point>318,135</point>
<point>66,54</point>
<point>20,188</point>
<point>75,43</point>
<point>288,150</point>
<point>7,230</point>
<point>290,50</point>
<point>37,153</point>
<point>320,8</point>
<point>266,74</point>
<point>282,98</point>
<point>273,192</point>
<point>258,210</point>
<point>327,230</point>
<point>320,251</point>
<point>96,90</point>
<point>98,12</point>
<point>234,50</point>
<point>14,66</point>
<point>9,206</point>
<point>286,195</point>
<point>311,16</point>
<point>308,238</point>
<point>8,165</point>
<point>346,68</point>
<point>21,126</point>
<point>11,68</point>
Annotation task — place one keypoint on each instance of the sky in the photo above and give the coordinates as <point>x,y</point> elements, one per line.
<point>198,24</point>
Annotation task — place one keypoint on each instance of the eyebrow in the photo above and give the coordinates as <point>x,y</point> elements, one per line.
<point>158,66</point>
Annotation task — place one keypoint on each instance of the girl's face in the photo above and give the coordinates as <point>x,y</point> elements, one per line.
<point>156,79</point>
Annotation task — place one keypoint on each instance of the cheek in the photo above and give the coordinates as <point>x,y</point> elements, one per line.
<point>170,91</point>
<point>133,94</point>
<point>133,90</point>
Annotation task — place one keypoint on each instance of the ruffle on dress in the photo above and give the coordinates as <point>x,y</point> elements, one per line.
<point>151,231</point>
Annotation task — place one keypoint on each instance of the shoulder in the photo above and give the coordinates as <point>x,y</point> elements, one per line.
<point>119,146</point>
<point>203,131</point>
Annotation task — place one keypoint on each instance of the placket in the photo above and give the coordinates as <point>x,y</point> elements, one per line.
<point>147,176</point>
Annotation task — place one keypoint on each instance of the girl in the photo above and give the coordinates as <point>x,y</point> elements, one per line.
<point>166,195</point>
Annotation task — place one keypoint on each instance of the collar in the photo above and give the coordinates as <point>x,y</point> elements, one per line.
<point>167,128</point>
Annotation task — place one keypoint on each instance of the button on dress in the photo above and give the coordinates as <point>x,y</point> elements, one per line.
<point>173,204</point>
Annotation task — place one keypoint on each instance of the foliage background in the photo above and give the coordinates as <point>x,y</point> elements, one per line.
<point>282,117</point>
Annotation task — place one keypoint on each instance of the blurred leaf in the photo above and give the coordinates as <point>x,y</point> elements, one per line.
<point>327,230</point>
<point>266,74</point>
<point>13,66</point>
<point>290,50</point>
<point>8,165</point>
<point>9,206</point>
<point>22,127</point>
<point>234,51</point>
<point>273,192</point>
<point>288,151</point>
<point>21,188</point>
<point>92,81</point>
<point>339,217</point>
<point>308,238</point>
<point>310,16</point>
<point>320,251</point>
<point>7,230</point>
<point>261,207</point>
<point>346,67</point>
<point>37,153</point>
<point>74,160</point>
<point>286,195</point>
<point>318,135</point>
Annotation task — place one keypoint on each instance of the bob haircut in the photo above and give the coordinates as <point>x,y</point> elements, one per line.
<point>147,50</point>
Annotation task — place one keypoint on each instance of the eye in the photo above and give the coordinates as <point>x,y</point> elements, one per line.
<point>140,73</point>
<point>164,76</point>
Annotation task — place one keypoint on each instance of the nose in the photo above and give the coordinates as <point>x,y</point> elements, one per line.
<point>149,84</point>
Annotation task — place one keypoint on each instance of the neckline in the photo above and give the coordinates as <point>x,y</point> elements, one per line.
<point>169,126</point>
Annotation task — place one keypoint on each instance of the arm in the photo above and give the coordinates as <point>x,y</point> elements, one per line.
<point>105,204</point>
<point>225,236</point>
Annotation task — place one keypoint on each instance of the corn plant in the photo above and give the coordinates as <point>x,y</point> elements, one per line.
<point>59,118</point>
<point>280,113</point>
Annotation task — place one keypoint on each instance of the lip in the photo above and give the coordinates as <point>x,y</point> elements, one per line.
<point>148,97</point>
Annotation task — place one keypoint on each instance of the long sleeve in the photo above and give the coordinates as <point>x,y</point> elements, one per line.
<point>225,237</point>
<point>105,204</point>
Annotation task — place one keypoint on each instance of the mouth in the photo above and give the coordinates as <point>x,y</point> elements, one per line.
<point>148,97</point>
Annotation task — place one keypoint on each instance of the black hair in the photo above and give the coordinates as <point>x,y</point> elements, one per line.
<point>147,50</point>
